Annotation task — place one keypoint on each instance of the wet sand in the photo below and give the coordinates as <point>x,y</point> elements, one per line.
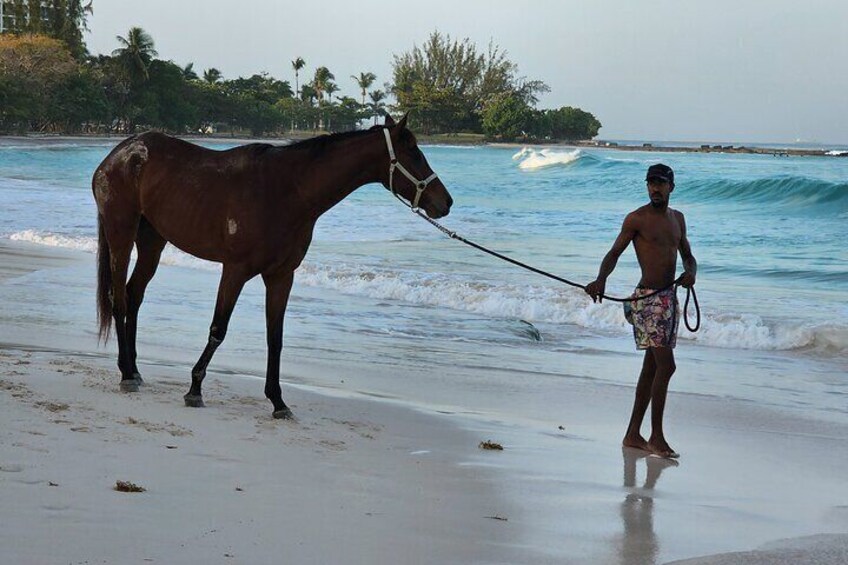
<point>356,479</point>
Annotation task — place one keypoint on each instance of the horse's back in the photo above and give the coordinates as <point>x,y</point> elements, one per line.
<point>190,194</point>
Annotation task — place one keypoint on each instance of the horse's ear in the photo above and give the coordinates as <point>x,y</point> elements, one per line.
<point>402,122</point>
<point>389,120</point>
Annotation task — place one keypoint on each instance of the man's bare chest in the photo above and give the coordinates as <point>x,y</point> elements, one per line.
<point>659,232</point>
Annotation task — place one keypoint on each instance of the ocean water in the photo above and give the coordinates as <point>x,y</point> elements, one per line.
<point>381,288</point>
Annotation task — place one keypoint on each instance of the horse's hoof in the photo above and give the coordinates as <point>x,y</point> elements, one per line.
<point>283,414</point>
<point>129,385</point>
<point>137,378</point>
<point>193,401</point>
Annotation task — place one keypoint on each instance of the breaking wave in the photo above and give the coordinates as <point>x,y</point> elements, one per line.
<point>530,159</point>
<point>534,303</point>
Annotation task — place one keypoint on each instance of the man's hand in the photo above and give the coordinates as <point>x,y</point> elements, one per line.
<point>595,289</point>
<point>687,280</point>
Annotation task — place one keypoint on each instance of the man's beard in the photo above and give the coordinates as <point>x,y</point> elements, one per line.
<point>658,204</point>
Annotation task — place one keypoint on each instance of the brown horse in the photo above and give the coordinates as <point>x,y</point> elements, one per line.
<point>252,208</point>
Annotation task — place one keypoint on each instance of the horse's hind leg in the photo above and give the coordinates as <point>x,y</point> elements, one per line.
<point>120,238</point>
<point>149,245</point>
<point>278,287</point>
<point>232,281</point>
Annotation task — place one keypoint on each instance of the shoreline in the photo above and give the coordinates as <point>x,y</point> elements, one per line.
<point>464,140</point>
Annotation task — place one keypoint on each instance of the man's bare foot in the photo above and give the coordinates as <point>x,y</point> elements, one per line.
<point>661,448</point>
<point>636,442</point>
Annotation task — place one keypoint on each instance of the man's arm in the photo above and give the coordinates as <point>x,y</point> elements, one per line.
<point>596,288</point>
<point>690,266</point>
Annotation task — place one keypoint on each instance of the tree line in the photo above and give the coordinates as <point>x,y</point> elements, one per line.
<point>43,88</point>
<point>49,83</point>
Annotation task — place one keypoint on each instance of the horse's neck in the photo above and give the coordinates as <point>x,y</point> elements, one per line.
<point>345,166</point>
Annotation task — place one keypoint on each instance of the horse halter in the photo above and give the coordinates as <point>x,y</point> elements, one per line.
<point>420,185</point>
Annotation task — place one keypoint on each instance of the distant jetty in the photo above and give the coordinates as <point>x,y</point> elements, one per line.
<point>706,148</point>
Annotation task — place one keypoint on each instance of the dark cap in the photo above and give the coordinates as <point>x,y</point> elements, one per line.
<point>660,171</point>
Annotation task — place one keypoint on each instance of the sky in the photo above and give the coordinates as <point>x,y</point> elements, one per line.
<point>674,70</point>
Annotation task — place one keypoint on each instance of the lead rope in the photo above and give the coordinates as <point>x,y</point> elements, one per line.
<point>420,185</point>
<point>675,284</point>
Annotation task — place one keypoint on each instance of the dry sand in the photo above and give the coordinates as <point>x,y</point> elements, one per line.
<point>349,482</point>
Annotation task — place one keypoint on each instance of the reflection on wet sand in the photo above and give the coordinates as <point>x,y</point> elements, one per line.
<point>639,544</point>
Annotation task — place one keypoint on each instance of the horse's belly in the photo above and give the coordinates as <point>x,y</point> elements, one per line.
<point>195,231</point>
<point>202,252</point>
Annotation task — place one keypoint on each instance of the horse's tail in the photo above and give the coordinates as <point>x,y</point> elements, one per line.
<point>104,282</point>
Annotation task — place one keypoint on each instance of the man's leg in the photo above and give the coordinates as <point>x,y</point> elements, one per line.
<point>633,437</point>
<point>664,359</point>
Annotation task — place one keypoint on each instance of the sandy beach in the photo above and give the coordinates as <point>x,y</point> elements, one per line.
<point>358,479</point>
<point>349,481</point>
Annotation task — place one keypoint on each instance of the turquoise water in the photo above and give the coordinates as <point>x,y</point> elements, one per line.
<point>381,286</point>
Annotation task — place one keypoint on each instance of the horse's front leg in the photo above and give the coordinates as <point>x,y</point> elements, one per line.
<point>233,278</point>
<point>277,290</point>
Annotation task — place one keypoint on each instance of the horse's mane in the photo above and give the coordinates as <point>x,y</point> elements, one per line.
<point>319,143</point>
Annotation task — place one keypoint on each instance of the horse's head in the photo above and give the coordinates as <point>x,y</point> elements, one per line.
<point>410,175</point>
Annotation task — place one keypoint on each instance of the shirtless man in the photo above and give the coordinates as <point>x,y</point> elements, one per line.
<point>658,233</point>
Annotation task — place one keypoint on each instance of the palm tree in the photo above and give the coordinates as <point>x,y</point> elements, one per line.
<point>297,64</point>
<point>308,94</point>
<point>320,80</point>
<point>188,72</point>
<point>212,75</point>
<point>136,54</point>
<point>377,106</point>
<point>331,88</point>
<point>364,81</point>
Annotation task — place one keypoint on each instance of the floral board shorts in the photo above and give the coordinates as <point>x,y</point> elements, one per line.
<point>654,319</point>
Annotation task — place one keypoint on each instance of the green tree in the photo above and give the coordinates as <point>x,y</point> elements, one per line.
<point>566,123</point>
<point>259,86</point>
<point>364,82</point>
<point>33,69</point>
<point>64,20</point>
<point>136,54</point>
<point>215,107</point>
<point>329,89</point>
<point>212,75</point>
<point>131,67</point>
<point>377,105</point>
<point>21,16</point>
<point>297,64</point>
<point>346,115</point>
<point>79,103</point>
<point>256,115</point>
<point>189,73</point>
<point>506,117</point>
<point>322,77</point>
<point>447,83</point>
<point>308,94</point>
<point>34,23</point>
<point>165,102</point>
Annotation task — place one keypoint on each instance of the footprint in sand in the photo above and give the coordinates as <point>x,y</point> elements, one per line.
<point>11,468</point>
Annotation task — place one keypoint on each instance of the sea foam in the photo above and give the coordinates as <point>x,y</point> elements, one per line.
<point>534,303</point>
<point>531,159</point>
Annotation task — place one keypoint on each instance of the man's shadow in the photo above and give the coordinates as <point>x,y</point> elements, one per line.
<point>639,543</point>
